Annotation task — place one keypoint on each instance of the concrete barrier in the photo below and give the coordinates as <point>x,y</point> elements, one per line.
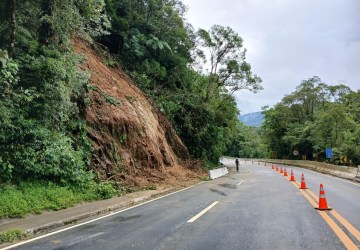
<point>216,173</point>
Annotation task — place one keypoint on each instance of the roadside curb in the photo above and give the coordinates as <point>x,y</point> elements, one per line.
<point>321,171</point>
<point>33,231</point>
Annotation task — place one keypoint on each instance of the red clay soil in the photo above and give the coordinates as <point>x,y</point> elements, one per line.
<point>133,143</point>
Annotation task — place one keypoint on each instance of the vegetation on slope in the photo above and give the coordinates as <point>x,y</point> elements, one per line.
<point>44,96</point>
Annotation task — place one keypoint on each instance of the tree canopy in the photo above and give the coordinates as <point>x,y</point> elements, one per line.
<point>43,96</point>
<point>314,117</point>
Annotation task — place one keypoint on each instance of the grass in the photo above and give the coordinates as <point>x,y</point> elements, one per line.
<point>11,236</point>
<point>205,178</point>
<point>35,197</point>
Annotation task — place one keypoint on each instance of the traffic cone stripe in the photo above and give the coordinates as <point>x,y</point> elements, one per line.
<point>322,200</point>
<point>285,173</point>
<point>292,178</point>
<point>303,183</point>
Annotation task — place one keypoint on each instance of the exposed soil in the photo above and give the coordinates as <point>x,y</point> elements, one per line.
<point>133,143</point>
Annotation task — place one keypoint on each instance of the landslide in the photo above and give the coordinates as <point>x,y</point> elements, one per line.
<point>133,143</point>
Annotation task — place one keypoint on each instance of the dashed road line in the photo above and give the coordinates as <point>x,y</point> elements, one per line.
<point>202,212</point>
<point>96,219</point>
<point>241,182</point>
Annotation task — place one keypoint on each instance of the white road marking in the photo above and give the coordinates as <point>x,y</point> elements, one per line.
<point>202,212</point>
<point>90,221</point>
<point>241,182</point>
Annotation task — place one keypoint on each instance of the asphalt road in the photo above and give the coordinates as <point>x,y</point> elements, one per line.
<point>256,208</point>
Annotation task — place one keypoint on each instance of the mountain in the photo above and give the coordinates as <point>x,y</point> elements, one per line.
<point>252,119</point>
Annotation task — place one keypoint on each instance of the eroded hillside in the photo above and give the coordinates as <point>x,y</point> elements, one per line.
<point>133,142</point>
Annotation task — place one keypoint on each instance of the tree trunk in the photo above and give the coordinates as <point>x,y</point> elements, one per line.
<point>12,27</point>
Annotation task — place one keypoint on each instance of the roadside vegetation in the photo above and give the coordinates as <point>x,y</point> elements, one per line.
<point>314,117</point>
<point>35,197</point>
<point>45,154</point>
<point>11,236</point>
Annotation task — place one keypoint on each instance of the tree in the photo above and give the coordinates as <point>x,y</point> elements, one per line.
<point>228,67</point>
<point>313,117</point>
<point>12,27</point>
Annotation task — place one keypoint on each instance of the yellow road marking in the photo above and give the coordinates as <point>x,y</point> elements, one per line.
<point>341,219</point>
<point>337,230</point>
<point>346,224</point>
<point>202,212</point>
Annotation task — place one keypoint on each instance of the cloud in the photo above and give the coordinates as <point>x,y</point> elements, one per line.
<point>289,41</point>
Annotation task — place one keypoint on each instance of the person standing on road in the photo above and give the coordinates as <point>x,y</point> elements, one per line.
<point>237,164</point>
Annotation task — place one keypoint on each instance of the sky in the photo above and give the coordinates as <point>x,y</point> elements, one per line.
<point>288,41</point>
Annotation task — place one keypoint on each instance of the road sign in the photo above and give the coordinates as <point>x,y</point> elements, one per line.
<point>343,159</point>
<point>296,152</point>
<point>328,152</point>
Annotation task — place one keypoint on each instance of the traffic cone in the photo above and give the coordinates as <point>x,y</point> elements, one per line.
<point>259,163</point>
<point>277,168</point>
<point>292,178</point>
<point>281,171</point>
<point>265,164</point>
<point>272,166</point>
<point>285,172</point>
<point>322,200</point>
<point>303,184</point>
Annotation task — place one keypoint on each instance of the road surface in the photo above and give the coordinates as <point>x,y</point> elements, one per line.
<point>256,208</point>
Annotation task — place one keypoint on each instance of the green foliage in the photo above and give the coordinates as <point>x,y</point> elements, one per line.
<point>11,236</point>
<point>228,66</point>
<point>35,197</point>
<point>42,98</point>
<point>43,94</point>
<point>105,190</point>
<point>314,117</point>
<point>246,142</point>
<point>109,99</point>
<point>158,48</point>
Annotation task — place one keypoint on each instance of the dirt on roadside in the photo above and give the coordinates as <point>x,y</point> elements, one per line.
<point>133,142</point>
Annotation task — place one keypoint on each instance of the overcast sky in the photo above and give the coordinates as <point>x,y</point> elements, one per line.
<point>288,41</point>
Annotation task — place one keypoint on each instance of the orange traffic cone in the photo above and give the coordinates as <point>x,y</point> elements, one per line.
<point>292,178</point>
<point>322,200</point>
<point>277,168</point>
<point>285,172</point>
<point>303,184</point>
<point>265,164</point>
<point>281,171</point>
<point>272,166</point>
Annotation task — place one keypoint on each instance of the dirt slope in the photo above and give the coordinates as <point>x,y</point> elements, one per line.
<point>133,142</point>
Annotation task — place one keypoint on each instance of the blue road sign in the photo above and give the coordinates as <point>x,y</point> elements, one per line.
<point>328,153</point>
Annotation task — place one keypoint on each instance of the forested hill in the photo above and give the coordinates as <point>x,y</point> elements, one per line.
<point>102,97</point>
<point>315,116</point>
<point>254,119</point>
<point>62,123</point>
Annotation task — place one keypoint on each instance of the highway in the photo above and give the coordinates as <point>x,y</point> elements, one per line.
<point>255,208</point>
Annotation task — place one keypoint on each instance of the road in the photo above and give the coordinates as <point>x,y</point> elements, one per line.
<point>256,208</point>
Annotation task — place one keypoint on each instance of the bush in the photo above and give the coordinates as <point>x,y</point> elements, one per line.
<point>10,236</point>
<point>105,190</point>
<point>35,197</point>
